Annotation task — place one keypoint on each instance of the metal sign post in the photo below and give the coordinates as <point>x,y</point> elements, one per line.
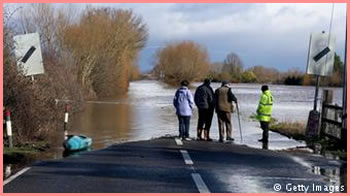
<point>320,63</point>
<point>316,92</point>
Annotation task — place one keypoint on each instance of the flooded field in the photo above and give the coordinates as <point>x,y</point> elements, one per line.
<point>147,112</point>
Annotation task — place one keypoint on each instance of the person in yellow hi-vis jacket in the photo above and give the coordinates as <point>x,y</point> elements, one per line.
<point>264,111</point>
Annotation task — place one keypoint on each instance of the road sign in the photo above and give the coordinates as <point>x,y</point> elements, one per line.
<point>321,54</point>
<point>28,54</point>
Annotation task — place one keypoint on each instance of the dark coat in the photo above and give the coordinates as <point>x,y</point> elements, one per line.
<point>204,97</point>
<point>223,99</point>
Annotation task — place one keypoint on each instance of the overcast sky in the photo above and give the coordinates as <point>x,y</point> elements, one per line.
<point>273,35</point>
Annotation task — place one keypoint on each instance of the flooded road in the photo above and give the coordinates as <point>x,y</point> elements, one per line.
<point>147,112</point>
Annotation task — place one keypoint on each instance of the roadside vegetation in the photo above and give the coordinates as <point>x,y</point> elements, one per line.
<point>86,56</point>
<point>295,130</point>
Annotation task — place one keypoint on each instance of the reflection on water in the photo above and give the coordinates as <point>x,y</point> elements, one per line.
<point>104,123</point>
<point>336,175</point>
<point>68,153</point>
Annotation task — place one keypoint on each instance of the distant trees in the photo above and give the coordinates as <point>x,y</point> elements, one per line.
<point>292,77</point>
<point>248,77</point>
<point>265,74</point>
<point>233,66</point>
<point>182,60</point>
<point>338,77</point>
<point>232,69</point>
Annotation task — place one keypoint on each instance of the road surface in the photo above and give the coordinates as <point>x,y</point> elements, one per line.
<point>168,165</point>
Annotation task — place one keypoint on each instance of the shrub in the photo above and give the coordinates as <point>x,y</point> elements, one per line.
<point>182,60</point>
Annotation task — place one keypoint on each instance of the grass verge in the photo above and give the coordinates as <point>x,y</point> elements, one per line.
<point>295,130</point>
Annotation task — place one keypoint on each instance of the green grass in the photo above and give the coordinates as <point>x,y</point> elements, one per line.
<point>19,155</point>
<point>24,153</point>
<point>295,130</point>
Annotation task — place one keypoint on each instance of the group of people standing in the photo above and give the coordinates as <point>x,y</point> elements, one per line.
<point>220,101</point>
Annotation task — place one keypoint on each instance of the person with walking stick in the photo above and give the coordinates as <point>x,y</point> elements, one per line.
<point>224,107</point>
<point>264,112</point>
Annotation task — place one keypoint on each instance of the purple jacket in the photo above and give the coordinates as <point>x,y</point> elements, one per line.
<point>183,102</point>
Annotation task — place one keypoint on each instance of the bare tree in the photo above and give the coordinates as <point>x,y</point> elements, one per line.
<point>233,66</point>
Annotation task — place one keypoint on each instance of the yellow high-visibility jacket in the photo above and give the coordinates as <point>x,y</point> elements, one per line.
<point>265,107</point>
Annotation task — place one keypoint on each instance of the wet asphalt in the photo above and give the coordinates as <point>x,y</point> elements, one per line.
<point>165,166</point>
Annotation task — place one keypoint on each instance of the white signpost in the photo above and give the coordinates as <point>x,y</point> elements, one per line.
<point>321,54</point>
<point>28,54</point>
<point>320,63</point>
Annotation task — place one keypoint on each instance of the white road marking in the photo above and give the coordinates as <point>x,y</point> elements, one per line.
<point>16,175</point>
<point>301,162</point>
<point>187,158</point>
<point>178,142</point>
<point>201,186</point>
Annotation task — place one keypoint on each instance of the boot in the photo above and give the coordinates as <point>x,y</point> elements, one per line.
<point>199,134</point>
<point>207,136</point>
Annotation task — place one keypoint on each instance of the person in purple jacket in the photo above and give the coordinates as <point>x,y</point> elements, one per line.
<point>184,104</point>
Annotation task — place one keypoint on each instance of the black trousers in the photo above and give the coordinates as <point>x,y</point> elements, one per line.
<point>265,127</point>
<point>205,116</point>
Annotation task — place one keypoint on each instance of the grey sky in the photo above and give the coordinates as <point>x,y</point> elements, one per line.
<point>273,35</point>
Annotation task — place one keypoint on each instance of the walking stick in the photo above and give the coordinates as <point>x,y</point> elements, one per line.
<point>239,123</point>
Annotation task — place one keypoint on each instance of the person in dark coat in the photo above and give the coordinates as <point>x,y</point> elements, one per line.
<point>224,107</point>
<point>204,99</point>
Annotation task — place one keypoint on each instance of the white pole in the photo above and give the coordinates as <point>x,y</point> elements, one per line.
<point>9,126</point>
<point>66,115</point>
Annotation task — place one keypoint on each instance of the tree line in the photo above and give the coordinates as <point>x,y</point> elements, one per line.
<point>189,60</point>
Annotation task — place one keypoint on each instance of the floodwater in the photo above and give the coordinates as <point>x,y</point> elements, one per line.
<point>147,112</point>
